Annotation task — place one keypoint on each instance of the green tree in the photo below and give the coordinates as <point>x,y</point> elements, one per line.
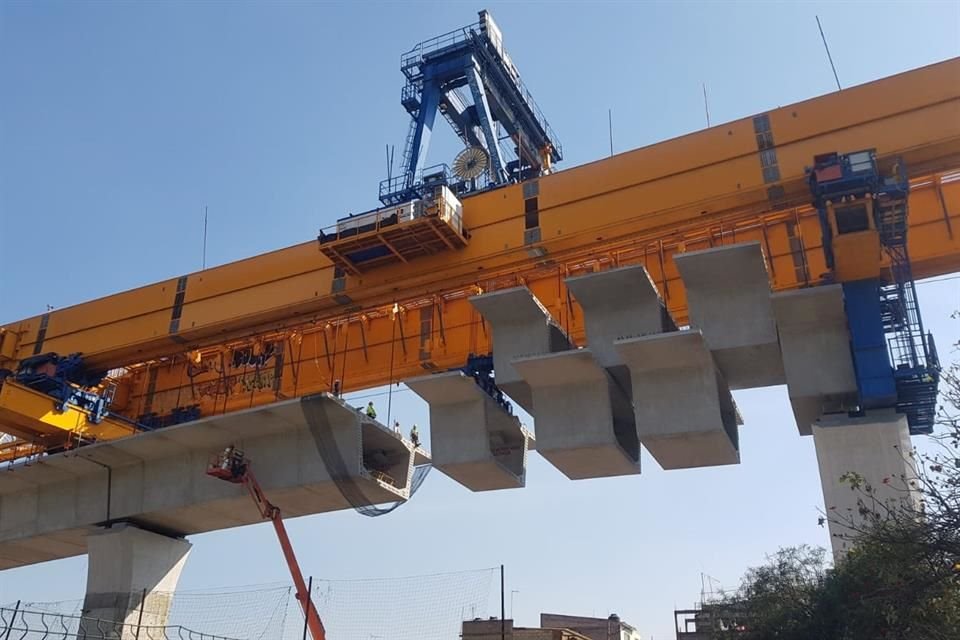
<point>901,578</point>
<point>877,592</point>
<point>929,521</point>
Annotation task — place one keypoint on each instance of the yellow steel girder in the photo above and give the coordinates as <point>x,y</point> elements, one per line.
<point>752,166</point>
<point>742,181</point>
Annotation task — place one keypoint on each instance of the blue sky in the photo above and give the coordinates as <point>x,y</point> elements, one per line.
<point>120,121</point>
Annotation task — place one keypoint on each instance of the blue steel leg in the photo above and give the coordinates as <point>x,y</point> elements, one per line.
<point>871,358</point>
<point>429,102</point>
<point>486,124</point>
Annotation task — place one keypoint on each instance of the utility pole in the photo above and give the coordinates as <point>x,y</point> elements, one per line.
<point>503,600</point>
<point>610,128</point>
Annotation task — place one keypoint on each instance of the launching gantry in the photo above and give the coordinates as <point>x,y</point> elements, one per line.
<point>619,303</point>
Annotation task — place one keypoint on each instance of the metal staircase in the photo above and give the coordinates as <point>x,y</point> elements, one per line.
<point>913,355</point>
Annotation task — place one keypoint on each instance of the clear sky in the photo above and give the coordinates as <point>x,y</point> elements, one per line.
<point>119,121</point>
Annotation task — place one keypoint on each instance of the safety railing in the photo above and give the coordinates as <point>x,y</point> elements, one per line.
<point>25,624</point>
<point>406,187</point>
<point>410,61</point>
<point>410,65</point>
<point>532,105</point>
<point>363,223</point>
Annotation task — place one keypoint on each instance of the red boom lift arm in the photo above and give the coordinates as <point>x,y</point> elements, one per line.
<point>232,466</point>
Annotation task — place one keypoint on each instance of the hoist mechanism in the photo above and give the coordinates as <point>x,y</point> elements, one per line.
<point>469,77</point>
<point>62,404</point>
<point>864,219</point>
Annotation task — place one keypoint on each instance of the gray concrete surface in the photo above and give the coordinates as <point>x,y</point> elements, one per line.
<point>618,303</point>
<point>131,576</point>
<point>685,414</point>
<point>583,420</point>
<point>158,479</point>
<point>728,295</point>
<point>877,448</point>
<point>816,353</point>
<point>472,438</point>
<point>521,326</point>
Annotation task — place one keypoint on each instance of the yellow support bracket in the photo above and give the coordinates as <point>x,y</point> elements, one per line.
<point>34,417</point>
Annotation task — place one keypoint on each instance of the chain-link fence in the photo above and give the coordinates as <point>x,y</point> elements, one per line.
<point>20,623</point>
<point>421,607</point>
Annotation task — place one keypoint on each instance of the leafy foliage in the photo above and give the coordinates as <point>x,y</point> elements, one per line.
<point>901,578</point>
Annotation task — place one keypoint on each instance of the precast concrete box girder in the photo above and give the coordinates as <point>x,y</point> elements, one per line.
<point>816,353</point>
<point>728,296</point>
<point>584,422</point>
<point>685,414</point>
<point>521,326</point>
<point>617,303</point>
<point>158,479</point>
<point>472,438</point>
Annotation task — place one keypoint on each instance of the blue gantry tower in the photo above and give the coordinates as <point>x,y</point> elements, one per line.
<point>863,215</point>
<point>467,76</point>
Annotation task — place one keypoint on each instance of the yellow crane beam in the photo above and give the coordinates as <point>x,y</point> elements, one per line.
<point>287,323</point>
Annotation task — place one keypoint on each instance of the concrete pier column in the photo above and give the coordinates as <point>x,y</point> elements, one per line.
<point>124,563</point>
<point>876,447</point>
<point>522,326</point>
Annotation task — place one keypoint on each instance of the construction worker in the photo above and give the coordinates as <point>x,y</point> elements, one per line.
<point>371,412</point>
<point>415,436</point>
<point>238,466</point>
<point>396,426</point>
<point>227,460</point>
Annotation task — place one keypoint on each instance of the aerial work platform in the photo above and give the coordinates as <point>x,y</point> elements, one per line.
<point>158,479</point>
<point>522,326</point>
<point>684,411</point>
<point>816,353</point>
<point>396,234</point>
<point>584,422</point>
<point>728,294</point>
<point>472,437</point>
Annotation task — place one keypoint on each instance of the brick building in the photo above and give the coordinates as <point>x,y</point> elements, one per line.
<point>552,627</point>
<point>491,630</point>
<point>610,628</point>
